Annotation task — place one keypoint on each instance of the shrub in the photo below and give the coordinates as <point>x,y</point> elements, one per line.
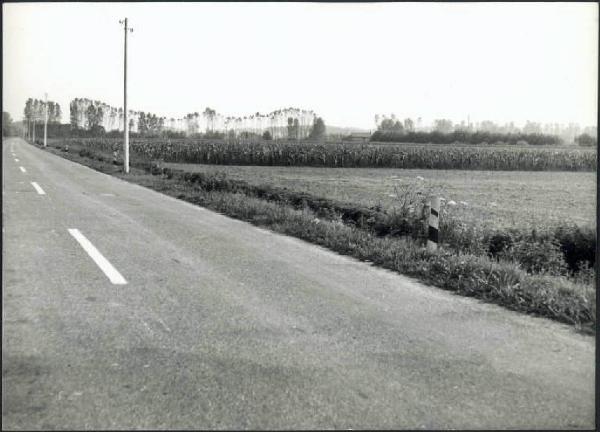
<point>498,243</point>
<point>537,257</point>
<point>586,140</point>
<point>86,153</point>
<point>578,245</point>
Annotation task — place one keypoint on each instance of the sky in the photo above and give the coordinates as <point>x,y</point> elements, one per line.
<point>347,62</point>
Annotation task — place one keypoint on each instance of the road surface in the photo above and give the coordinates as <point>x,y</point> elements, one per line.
<point>216,324</point>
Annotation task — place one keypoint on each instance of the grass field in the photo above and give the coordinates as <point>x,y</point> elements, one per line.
<point>493,198</point>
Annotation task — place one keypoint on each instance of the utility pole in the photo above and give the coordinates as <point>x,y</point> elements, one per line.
<point>125,119</point>
<point>45,119</point>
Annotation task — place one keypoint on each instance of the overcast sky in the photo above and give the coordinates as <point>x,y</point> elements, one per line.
<point>347,62</point>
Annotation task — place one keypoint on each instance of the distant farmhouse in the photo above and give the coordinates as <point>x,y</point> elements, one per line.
<point>363,137</point>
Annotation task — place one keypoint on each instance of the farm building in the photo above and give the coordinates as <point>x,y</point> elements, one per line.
<point>358,137</point>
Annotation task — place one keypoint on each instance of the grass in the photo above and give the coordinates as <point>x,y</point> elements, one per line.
<point>496,280</point>
<point>495,199</point>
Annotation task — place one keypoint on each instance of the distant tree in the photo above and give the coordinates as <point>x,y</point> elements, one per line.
<point>142,124</point>
<point>55,113</point>
<point>591,130</point>
<point>386,124</point>
<point>586,140</point>
<point>409,125</point>
<point>488,126</point>
<point>442,125</point>
<point>28,114</point>
<point>210,115</point>
<point>153,124</point>
<point>90,117</point>
<point>318,130</point>
<point>7,124</point>
<point>296,128</point>
<point>532,128</point>
<point>267,136</point>
<point>290,127</point>
<point>73,117</point>
<point>99,116</point>
<point>28,110</point>
<point>391,125</point>
<point>37,110</point>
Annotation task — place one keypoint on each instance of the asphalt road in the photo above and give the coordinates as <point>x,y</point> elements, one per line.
<point>221,325</point>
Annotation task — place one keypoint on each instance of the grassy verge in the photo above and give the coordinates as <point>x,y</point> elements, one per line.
<point>491,279</point>
<point>559,249</point>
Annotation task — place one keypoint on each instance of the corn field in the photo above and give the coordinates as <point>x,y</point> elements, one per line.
<point>350,155</point>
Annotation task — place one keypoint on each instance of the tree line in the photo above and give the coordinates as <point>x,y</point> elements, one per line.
<point>478,137</point>
<point>92,118</point>
<point>35,113</point>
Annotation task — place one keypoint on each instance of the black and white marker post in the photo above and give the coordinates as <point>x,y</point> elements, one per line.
<point>434,224</point>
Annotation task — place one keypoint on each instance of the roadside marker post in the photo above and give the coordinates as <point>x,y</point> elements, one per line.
<point>433,232</point>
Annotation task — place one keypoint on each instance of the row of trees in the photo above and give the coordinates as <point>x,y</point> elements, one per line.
<point>465,137</point>
<point>317,132</point>
<point>35,110</point>
<point>94,118</point>
<point>150,124</point>
<point>393,124</point>
<point>289,123</point>
<point>567,132</point>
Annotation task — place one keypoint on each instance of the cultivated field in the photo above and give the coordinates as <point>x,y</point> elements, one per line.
<point>352,155</point>
<point>491,198</point>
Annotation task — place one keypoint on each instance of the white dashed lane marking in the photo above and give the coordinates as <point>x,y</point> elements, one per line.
<point>113,275</point>
<point>38,189</point>
<point>23,170</point>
